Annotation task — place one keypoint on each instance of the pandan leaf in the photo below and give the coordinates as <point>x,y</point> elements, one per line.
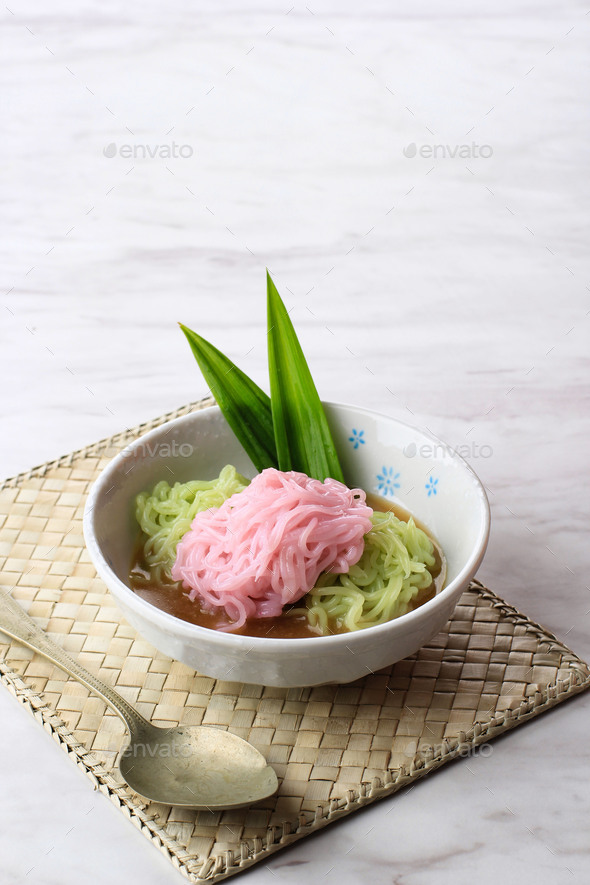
<point>245,406</point>
<point>302,436</point>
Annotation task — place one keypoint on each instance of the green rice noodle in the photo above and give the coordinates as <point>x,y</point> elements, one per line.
<point>384,583</point>
<point>166,514</point>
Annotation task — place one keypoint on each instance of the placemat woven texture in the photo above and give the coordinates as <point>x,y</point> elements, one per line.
<point>335,748</point>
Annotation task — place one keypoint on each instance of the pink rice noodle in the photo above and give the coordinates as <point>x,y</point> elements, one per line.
<point>266,546</point>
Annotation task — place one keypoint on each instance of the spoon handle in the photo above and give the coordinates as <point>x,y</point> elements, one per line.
<point>17,624</point>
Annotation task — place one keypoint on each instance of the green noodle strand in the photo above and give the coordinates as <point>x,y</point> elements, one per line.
<point>384,584</point>
<point>166,514</point>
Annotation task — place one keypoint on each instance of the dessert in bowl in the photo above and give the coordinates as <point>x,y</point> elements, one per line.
<point>379,455</point>
<point>241,540</point>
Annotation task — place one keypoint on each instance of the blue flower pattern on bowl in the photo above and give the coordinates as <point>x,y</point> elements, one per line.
<point>431,486</point>
<point>357,438</point>
<point>387,481</point>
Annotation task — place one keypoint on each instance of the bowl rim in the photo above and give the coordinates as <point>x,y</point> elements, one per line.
<point>195,632</point>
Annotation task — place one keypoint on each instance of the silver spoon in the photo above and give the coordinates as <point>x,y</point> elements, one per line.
<point>195,767</point>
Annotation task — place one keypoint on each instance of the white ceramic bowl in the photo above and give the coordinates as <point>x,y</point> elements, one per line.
<point>378,454</point>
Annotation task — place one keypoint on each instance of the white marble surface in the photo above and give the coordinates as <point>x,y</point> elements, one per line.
<point>452,292</point>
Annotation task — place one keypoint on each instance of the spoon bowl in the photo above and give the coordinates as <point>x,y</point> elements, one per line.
<point>195,766</point>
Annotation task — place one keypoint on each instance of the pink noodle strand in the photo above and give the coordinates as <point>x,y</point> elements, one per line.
<point>266,547</point>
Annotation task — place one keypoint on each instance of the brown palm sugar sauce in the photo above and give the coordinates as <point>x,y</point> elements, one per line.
<point>171,597</point>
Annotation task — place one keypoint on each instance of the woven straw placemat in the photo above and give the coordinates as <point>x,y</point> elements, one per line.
<point>335,748</point>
